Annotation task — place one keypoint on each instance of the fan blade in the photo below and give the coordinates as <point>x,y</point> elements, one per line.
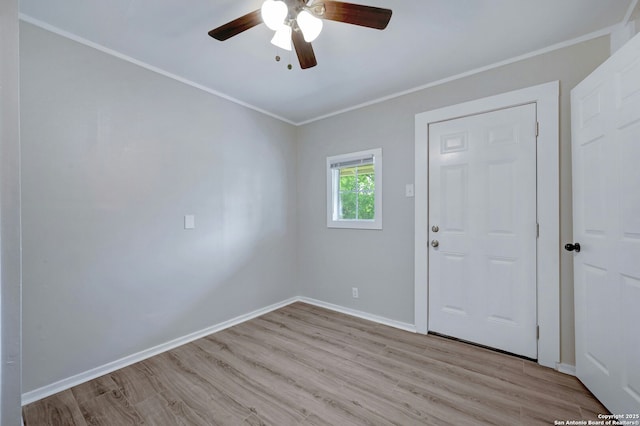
<point>306,57</point>
<point>356,14</point>
<point>237,26</point>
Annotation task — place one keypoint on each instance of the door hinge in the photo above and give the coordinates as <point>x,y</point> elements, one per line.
<point>537,332</point>
<point>537,230</point>
<point>537,128</point>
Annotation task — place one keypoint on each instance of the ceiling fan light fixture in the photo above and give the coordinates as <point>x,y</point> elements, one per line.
<point>296,28</point>
<point>310,25</point>
<point>282,38</point>
<point>274,13</point>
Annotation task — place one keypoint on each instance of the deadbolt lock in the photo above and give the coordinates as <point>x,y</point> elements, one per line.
<point>435,228</point>
<point>572,247</point>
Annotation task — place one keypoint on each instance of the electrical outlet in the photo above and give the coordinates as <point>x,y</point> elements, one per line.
<point>354,292</point>
<point>408,190</point>
<point>189,221</point>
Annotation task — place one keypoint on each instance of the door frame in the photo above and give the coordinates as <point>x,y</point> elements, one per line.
<point>546,97</point>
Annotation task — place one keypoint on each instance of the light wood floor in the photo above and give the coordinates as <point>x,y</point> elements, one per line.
<point>303,365</point>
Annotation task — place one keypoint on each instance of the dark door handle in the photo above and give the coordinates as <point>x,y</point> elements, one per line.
<point>572,247</point>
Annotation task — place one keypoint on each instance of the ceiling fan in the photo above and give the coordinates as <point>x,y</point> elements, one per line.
<point>300,22</point>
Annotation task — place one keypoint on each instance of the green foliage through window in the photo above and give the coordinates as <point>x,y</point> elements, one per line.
<point>356,192</point>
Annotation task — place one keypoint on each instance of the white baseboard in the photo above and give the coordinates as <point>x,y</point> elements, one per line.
<point>59,386</point>
<point>566,369</point>
<point>364,315</point>
<point>69,382</point>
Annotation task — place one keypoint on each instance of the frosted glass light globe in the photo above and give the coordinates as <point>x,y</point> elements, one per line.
<point>282,38</point>
<point>274,13</point>
<point>310,25</point>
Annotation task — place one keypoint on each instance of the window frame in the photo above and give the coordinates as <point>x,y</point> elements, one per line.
<point>332,191</point>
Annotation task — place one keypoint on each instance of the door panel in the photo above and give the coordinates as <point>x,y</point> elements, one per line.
<point>455,186</point>
<point>606,207</point>
<point>500,284</point>
<point>630,337</point>
<point>455,298</point>
<point>596,289</point>
<point>629,177</point>
<point>501,200</point>
<point>592,177</point>
<point>482,197</point>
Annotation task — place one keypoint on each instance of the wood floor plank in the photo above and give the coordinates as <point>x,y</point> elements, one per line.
<point>381,335</point>
<point>357,386</point>
<point>432,385</point>
<point>533,416</point>
<point>353,335</point>
<point>57,410</point>
<point>318,358</point>
<point>136,382</point>
<point>323,342</point>
<point>110,408</point>
<point>365,392</point>
<point>208,401</point>
<point>415,371</point>
<point>254,420</point>
<point>360,390</point>
<point>411,367</point>
<point>255,394</point>
<point>511,369</point>
<point>552,377</point>
<point>305,365</point>
<point>473,357</point>
<point>165,409</point>
<point>94,388</point>
<point>444,411</point>
<point>300,387</point>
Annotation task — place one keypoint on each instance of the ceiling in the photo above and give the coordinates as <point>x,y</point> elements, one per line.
<point>426,41</point>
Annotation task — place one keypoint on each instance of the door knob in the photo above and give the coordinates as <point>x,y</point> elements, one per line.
<point>572,247</point>
<point>434,243</point>
<point>435,228</point>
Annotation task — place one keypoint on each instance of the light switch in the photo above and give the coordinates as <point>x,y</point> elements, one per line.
<point>189,221</point>
<point>408,190</point>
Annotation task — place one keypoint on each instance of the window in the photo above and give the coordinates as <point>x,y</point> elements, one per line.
<point>354,190</point>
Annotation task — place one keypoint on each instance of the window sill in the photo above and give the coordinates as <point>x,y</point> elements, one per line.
<point>355,224</point>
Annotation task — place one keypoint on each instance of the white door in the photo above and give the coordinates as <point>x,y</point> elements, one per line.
<point>482,220</point>
<point>606,224</point>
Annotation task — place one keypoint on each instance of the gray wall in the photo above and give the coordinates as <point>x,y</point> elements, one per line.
<point>381,263</point>
<point>9,216</point>
<point>113,157</point>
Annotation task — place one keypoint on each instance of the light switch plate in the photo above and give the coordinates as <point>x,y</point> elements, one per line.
<point>189,221</point>
<point>408,190</point>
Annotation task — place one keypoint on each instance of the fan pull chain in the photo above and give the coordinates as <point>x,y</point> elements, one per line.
<point>278,58</point>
